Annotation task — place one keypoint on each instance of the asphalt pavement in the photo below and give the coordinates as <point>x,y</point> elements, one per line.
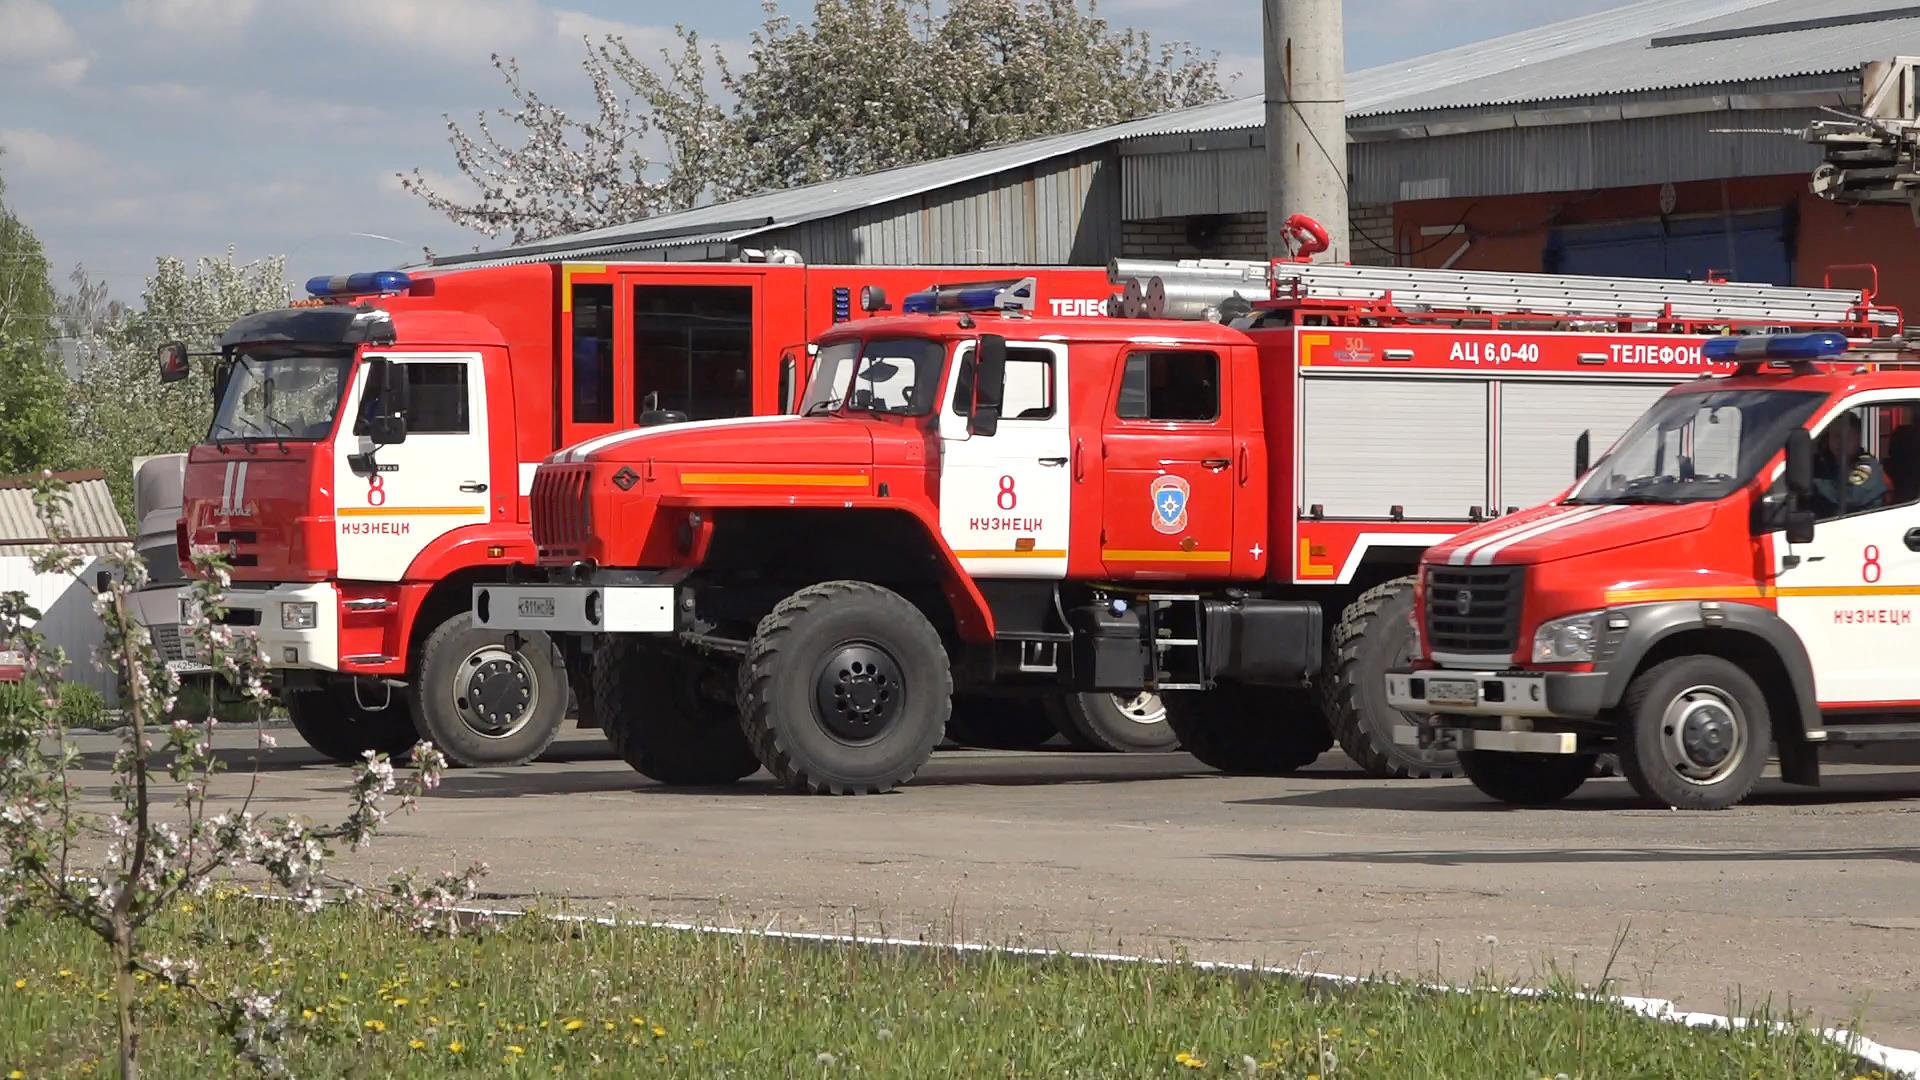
<point>1801,898</point>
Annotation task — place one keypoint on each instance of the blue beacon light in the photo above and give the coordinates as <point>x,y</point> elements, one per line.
<point>1012,295</point>
<point>1819,345</point>
<point>364,284</point>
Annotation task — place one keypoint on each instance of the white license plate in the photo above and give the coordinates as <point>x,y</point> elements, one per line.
<point>536,607</point>
<point>1453,692</point>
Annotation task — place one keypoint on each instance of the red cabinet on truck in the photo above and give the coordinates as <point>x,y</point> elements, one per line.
<point>373,451</point>
<point>976,500</point>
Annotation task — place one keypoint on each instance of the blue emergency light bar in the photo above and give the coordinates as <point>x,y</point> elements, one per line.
<point>1819,345</point>
<point>1011,295</point>
<point>367,284</point>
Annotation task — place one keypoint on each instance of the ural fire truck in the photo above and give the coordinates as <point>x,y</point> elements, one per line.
<point>977,498</point>
<point>372,450</point>
<point>1739,571</point>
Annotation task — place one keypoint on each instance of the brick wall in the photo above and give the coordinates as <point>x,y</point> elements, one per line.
<point>1244,236</point>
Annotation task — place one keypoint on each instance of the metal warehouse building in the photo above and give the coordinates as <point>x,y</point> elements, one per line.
<point>1647,140</point>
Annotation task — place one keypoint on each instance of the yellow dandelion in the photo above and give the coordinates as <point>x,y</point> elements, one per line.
<point>1373,1033</point>
<point>344,976</point>
<point>400,1002</point>
<point>516,1051</point>
<point>1182,1057</point>
<point>453,984</point>
<point>16,1075</point>
<point>434,1021</point>
<point>611,1025</point>
<point>376,1026</point>
<point>19,984</point>
<point>574,1025</point>
<point>659,1032</point>
<point>456,1047</point>
<point>186,909</point>
<point>65,974</point>
<point>1189,1060</point>
<point>416,1044</point>
<point>639,1021</point>
<point>1334,1033</point>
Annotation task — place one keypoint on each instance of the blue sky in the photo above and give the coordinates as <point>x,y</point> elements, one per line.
<point>136,128</point>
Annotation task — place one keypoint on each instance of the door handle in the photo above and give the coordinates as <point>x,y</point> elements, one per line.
<point>1913,539</point>
<point>1079,460</point>
<point>1216,463</point>
<point>1053,461</point>
<point>1245,463</point>
<point>472,486</point>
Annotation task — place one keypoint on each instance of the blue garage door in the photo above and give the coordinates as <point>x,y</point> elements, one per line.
<point>1745,247</point>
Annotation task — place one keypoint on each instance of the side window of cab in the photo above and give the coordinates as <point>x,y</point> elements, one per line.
<point>1180,385</point>
<point>1866,459</point>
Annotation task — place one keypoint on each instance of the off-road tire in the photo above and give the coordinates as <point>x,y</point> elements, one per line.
<point>1251,731</point>
<point>339,729</point>
<point>1096,720</point>
<point>1000,723</point>
<point>1526,779</point>
<point>658,720</point>
<point>1367,642</point>
<point>787,669</point>
<point>1643,726</point>
<point>437,688</point>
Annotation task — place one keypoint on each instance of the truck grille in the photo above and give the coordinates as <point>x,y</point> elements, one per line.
<point>166,641</point>
<point>1473,609</point>
<point>562,518</point>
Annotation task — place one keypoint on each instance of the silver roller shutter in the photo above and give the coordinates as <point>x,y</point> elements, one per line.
<point>1539,422</point>
<point>1372,444</point>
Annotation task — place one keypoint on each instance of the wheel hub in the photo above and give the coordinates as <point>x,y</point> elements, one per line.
<point>859,692</point>
<point>495,693</point>
<point>1703,735</point>
<point>1144,708</point>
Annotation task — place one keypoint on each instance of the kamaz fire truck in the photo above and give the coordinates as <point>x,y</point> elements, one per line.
<point>977,498</point>
<point>1738,572</point>
<point>372,451</point>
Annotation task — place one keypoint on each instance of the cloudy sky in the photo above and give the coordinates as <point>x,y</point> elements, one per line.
<point>136,128</point>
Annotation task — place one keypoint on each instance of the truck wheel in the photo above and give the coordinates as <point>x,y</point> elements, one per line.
<point>484,703</point>
<point>666,717</point>
<point>1124,723</point>
<point>1000,723</point>
<point>1694,733</point>
<point>1526,779</point>
<point>1372,637</point>
<point>1255,731</point>
<point>845,690</point>
<point>339,729</point>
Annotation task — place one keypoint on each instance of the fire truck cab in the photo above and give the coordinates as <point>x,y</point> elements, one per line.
<point>373,449</point>
<point>1740,572</point>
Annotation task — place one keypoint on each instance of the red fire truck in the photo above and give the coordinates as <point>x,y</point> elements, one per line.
<point>1739,570</point>
<point>373,448</point>
<point>974,497</point>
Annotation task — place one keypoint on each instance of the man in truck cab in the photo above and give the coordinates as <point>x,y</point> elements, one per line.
<point>1845,477</point>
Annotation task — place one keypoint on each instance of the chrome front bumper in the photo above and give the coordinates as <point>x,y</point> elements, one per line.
<point>576,609</point>
<point>161,611</point>
<point>1438,698</point>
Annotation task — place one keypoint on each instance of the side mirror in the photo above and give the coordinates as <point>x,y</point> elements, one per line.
<point>789,379</point>
<point>1799,526</point>
<point>1582,454</point>
<point>102,581</point>
<point>222,375</point>
<point>989,385</point>
<point>1799,463</point>
<point>387,430</point>
<point>174,363</point>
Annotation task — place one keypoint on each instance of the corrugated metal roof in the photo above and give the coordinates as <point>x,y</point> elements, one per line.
<point>1608,52</point>
<point>90,515</point>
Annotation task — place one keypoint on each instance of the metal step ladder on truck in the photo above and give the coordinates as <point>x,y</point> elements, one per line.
<point>977,498</point>
<point>373,448</point>
<point>1740,572</point>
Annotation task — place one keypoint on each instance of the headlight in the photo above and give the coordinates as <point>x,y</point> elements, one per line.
<point>1567,640</point>
<point>299,615</point>
<point>189,610</point>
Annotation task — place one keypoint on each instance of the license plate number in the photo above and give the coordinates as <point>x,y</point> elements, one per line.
<point>1453,692</point>
<point>536,607</point>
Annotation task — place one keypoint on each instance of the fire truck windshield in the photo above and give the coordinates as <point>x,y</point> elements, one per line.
<point>1696,446</point>
<point>899,376</point>
<point>282,392</point>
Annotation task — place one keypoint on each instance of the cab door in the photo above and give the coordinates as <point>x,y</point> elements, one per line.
<point>1005,498</point>
<point>418,490</point>
<point>1853,594</point>
<point>1170,482</point>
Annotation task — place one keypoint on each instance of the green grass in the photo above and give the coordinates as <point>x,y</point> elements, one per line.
<point>538,998</point>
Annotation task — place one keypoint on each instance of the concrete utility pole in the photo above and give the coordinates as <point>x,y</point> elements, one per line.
<point>1306,120</point>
